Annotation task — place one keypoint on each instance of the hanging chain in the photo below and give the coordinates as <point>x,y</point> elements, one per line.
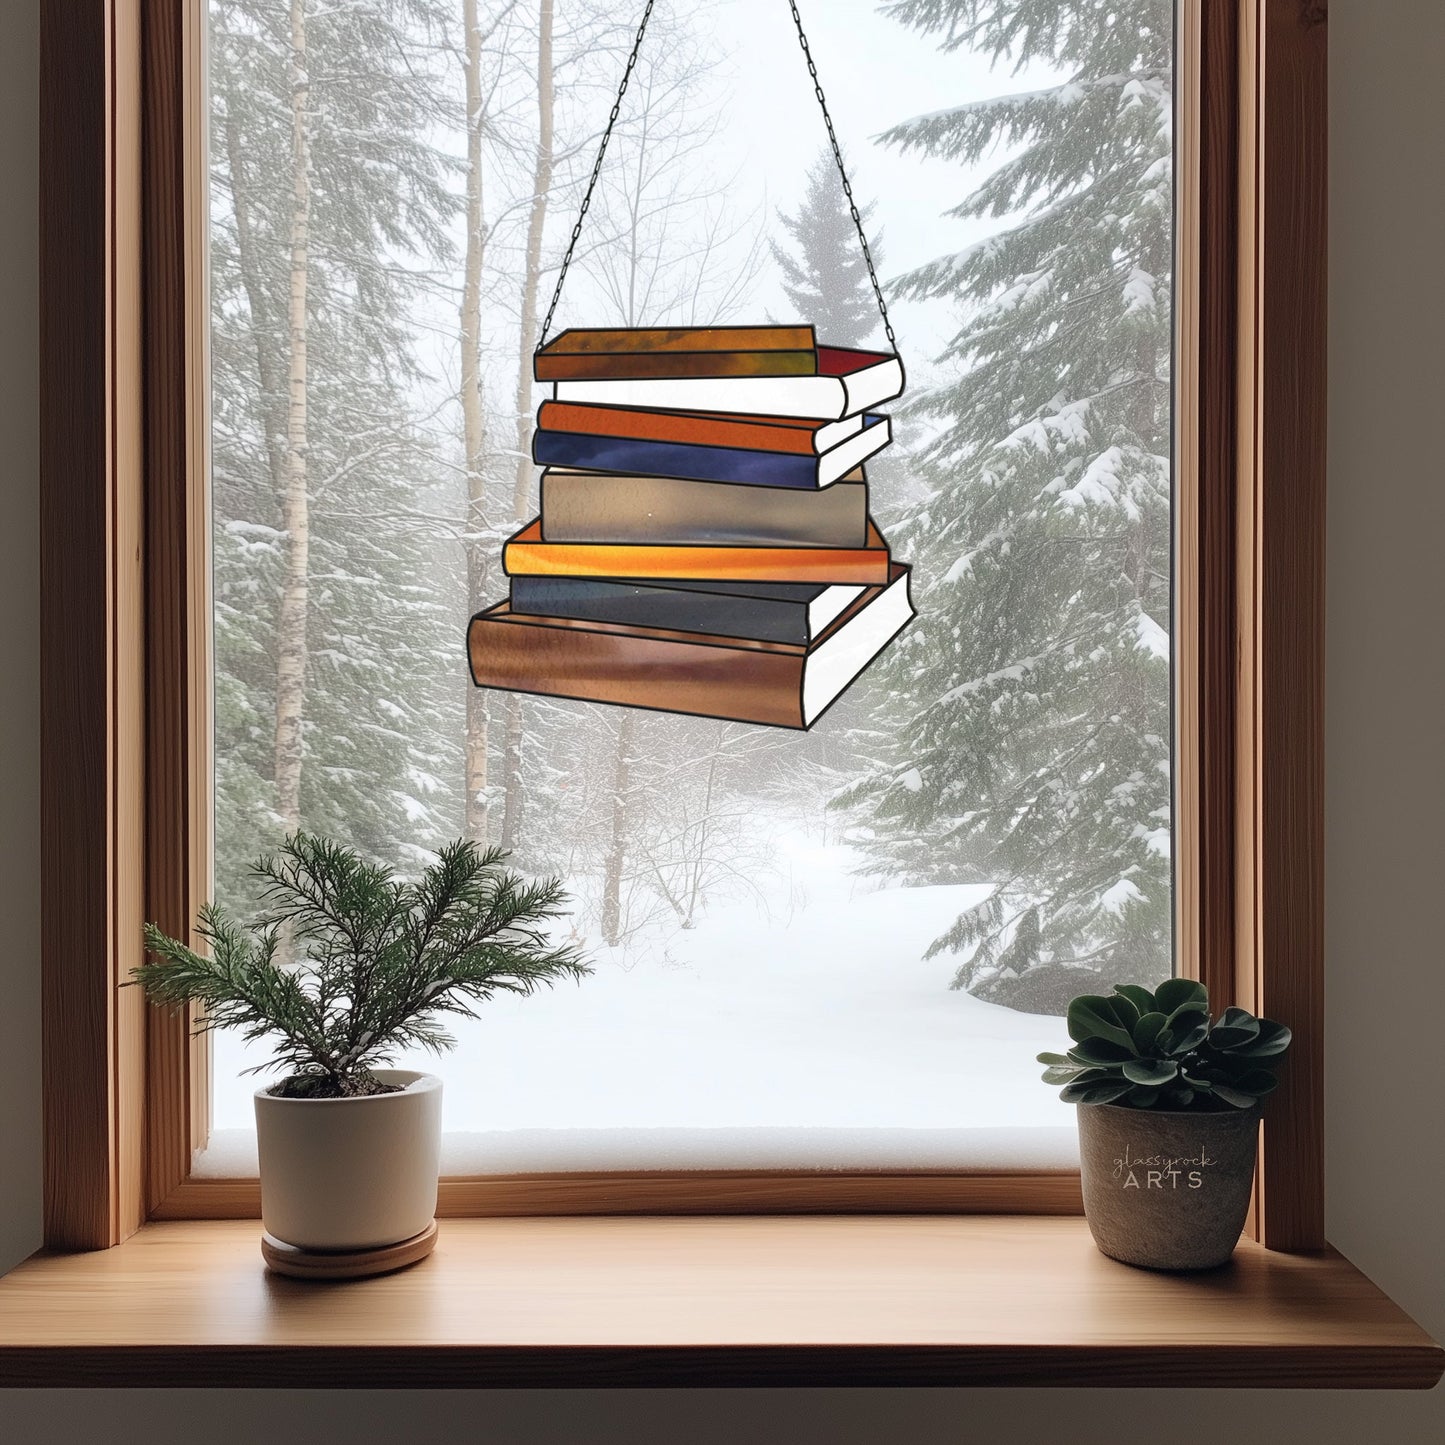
<point>596,171</point>
<point>832,139</point>
<point>843,176</point>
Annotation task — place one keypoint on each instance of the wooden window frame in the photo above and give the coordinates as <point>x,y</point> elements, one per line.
<point>126,622</point>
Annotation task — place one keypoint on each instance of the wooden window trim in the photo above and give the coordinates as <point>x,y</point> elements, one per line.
<point>125,624</point>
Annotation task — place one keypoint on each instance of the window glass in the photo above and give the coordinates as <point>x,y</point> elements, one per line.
<point>807,943</point>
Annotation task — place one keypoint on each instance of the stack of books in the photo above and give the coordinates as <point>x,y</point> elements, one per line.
<point>705,544</point>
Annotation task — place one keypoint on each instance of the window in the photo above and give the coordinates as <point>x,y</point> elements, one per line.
<point>1246,497</point>
<point>871,927</point>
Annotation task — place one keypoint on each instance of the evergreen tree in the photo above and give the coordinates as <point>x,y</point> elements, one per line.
<point>329,200</point>
<point>1030,737</point>
<point>825,275</point>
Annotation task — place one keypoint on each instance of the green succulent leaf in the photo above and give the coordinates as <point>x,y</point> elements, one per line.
<point>1091,1076</point>
<point>1062,1074</point>
<point>1238,1097</point>
<point>1185,1038</point>
<point>1176,993</point>
<point>1235,1027</point>
<point>1200,1086</point>
<point>1179,1097</point>
<point>1187,1014</point>
<point>1124,1009</point>
<point>1141,998</point>
<point>1054,1059</point>
<point>1271,1040</point>
<point>1257,1081</point>
<point>1227,1040</point>
<point>1092,1017</point>
<point>1240,1018</point>
<point>1151,1072</point>
<point>1101,1051</point>
<point>1142,1098</point>
<point>1097,1093</point>
<point>1146,1032</point>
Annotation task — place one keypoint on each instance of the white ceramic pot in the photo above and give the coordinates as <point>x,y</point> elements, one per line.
<point>351,1173</point>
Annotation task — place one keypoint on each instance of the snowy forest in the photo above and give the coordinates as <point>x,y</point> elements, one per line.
<point>393,184</point>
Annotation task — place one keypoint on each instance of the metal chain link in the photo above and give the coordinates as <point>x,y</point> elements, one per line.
<point>843,176</point>
<point>596,171</point>
<point>832,139</point>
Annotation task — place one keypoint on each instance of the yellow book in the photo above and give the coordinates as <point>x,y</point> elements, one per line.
<point>527,555</point>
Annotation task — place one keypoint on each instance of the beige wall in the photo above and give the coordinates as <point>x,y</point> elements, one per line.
<point>1386,800</point>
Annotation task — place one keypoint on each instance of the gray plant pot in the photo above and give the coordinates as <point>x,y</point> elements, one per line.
<point>1167,1189</point>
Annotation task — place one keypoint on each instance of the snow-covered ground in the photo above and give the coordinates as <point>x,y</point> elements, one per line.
<point>811,1033</point>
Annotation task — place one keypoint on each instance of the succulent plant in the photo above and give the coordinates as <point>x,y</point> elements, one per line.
<point>1161,1051</point>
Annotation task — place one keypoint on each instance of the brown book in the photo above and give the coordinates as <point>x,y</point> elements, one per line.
<point>774,683</point>
<point>605,507</point>
<point>527,555</point>
<point>595,340</point>
<point>794,435</point>
<point>680,353</point>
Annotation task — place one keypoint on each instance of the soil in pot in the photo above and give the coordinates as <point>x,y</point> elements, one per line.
<point>1167,1190</point>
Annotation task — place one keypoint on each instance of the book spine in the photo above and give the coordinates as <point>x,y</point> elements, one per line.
<point>674,459</point>
<point>642,339</point>
<point>761,619</point>
<point>687,428</point>
<point>821,398</point>
<point>531,557</point>
<point>559,659</point>
<point>668,365</point>
<point>873,387</point>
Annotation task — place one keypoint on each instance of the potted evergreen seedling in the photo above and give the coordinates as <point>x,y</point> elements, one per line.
<point>1169,1107</point>
<point>347,967</point>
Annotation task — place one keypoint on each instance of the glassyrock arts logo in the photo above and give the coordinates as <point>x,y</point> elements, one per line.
<point>1161,1171</point>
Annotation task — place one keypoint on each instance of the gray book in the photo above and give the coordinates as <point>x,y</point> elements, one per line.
<point>600,507</point>
<point>793,612</point>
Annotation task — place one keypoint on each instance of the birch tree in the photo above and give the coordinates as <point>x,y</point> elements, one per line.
<point>543,168</point>
<point>295,511</point>
<point>330,205</point>
<point>479,89</point>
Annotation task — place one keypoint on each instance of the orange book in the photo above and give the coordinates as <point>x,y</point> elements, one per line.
<point>794,435</point>
<point>774,683</point>
<point>643,354</point>
<point>527,555</point>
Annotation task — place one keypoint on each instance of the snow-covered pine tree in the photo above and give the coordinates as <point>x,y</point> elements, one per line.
<point>824,274</point>
<point>1031,743</point>
<point>312,368</point>
<point>825,277</point>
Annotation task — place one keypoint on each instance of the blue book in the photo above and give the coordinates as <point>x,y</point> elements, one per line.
<point>627,456</point>
<point>791,612</point>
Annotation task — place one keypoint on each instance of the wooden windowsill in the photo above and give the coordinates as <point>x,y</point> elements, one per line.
<point>829,1300</point>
